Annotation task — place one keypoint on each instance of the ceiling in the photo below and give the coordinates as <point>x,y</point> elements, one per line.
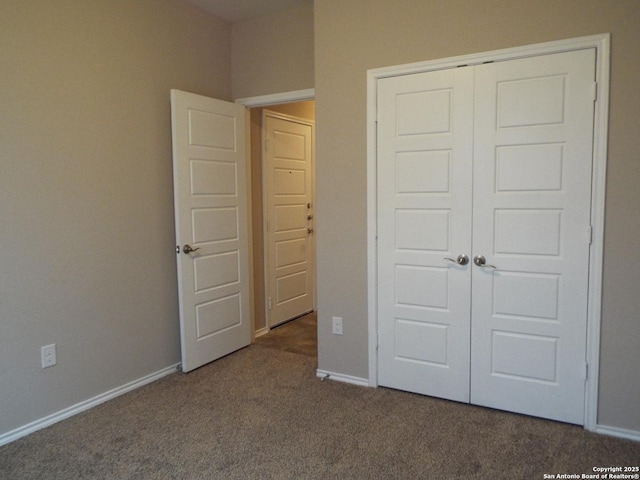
<point>233,11</point>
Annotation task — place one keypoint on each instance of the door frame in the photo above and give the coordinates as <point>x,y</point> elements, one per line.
<point>601,43</point>
<point>266,101</point>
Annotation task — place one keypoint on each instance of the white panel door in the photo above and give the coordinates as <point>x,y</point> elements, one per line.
<point>289,196</point>
<point>210,195</point>
<point>532,194</point>
<point>491,161</point>
<point>424,216</point>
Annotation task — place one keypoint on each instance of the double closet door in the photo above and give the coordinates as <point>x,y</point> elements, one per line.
<point>484,191</point>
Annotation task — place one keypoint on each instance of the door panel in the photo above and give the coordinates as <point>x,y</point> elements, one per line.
<point>211,217</point>
<point>424,215</point>
<point>532,193</point>
<point>289,197</point>
<point>491,160</point>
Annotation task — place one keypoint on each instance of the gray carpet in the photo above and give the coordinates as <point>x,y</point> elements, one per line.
<point>262,413</point>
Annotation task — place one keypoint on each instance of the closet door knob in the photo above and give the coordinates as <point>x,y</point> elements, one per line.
<point>480,261</point>
<point>461,260</point>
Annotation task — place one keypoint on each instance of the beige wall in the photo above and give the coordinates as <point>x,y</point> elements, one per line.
<point>304,110</point>
<point>87,257</point>
<point>352,36</point>
<point>86,208</point>
<point>273,54</point>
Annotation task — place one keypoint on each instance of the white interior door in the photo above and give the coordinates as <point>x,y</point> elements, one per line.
<point>532,194</point>
<point>210,195</point>
<point>529,151</point>
<point>288,186</point>
<point>424,216</point>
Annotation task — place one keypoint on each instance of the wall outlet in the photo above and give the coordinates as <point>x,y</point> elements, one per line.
<point>336,325</point>
<point>48,354</point>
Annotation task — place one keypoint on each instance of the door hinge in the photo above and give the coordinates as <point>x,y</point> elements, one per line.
<point>590,234</point>
<point>586,371</point>
<point>269,303</point>
<point>594,91</point>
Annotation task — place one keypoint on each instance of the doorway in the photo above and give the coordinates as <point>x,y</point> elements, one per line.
<point>303,110</point>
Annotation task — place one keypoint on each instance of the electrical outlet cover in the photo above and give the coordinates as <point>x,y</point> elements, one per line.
<point>336,325</point>
<point>48,353</point>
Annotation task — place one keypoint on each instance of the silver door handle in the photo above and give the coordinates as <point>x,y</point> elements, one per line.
<point>188,249</point>
<point>479,260</point>
<point>461,260</point>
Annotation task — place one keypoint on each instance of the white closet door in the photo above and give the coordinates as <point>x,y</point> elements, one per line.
<point>495,161</point>
<point>424,216</point>
<point>532,191</point>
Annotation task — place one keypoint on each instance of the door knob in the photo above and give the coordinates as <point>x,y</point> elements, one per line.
<point>461,260</point>
<point>187,248</point>
<point>480,261</point>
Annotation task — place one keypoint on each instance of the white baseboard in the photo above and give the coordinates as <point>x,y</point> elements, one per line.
<point>262,331</point>
<point>618,432</point>
<point>339,377</point>
<point>85,405</point>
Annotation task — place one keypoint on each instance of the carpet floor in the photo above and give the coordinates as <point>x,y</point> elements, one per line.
<point>296,336</point>
<point>261,413</point>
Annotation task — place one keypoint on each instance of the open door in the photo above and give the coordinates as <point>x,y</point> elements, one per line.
<point>210,200</point>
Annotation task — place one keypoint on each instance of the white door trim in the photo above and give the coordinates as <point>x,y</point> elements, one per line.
<point>277,98</point>
<point>601,44</point>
